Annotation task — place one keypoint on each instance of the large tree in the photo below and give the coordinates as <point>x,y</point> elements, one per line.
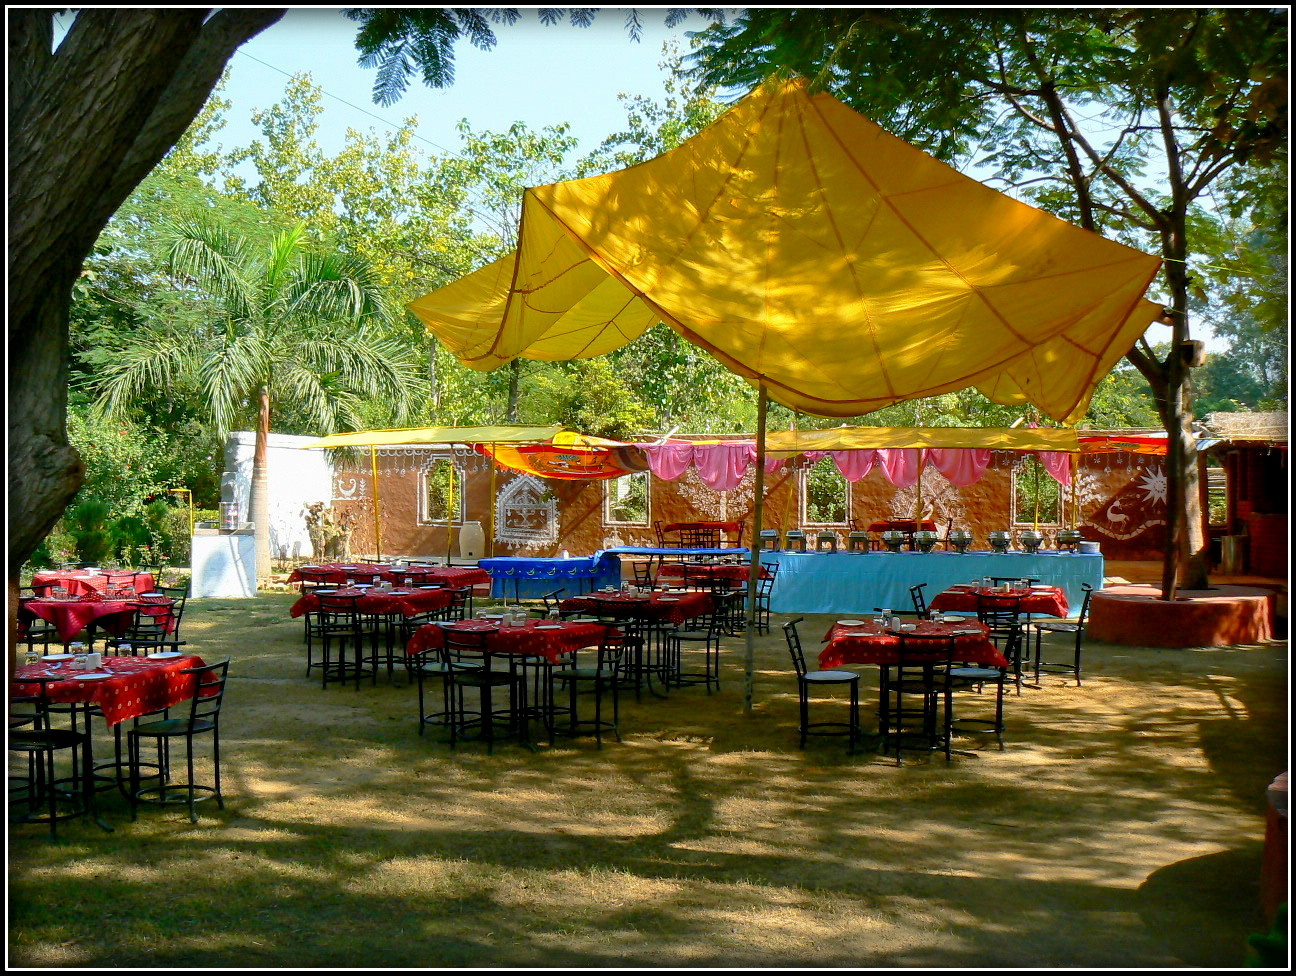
<point>88,120</point>
<point>1119,120</point>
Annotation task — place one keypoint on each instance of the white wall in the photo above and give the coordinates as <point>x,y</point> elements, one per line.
<point>296,478</point>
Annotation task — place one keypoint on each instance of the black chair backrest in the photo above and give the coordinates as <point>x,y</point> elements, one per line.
<point>458,608</point>
<point>551,599</point>
<point>919,600</point>
<point>998,612</point>
<point>337,605</point>
<point>465,645</point>
<point>794,646</point>
<point>208,690</point>
<point>1084,606</point>
<point>612,648</point>
<point>1012,579</point>
<point>923,650</point>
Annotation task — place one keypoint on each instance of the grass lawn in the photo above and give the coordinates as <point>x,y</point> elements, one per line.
<point>1120,827</point>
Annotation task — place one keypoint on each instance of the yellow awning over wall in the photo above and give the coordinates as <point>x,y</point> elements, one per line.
<point>803,245</point>
<point>440,436</point>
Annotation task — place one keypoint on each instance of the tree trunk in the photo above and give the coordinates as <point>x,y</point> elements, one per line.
<point>86,124</point>
<point>259,495</point>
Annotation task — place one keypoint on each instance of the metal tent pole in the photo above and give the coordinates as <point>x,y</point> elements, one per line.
<point>753,572</point>
<point>373,466</point>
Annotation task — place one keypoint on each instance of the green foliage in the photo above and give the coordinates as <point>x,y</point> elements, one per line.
<point>826,494</point>
<point>88,523</point>
<point>590,396</point>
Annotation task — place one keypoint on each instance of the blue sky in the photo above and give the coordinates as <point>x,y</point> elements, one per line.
<point>541,75</point>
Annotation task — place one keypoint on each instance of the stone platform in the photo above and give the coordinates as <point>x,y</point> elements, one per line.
<point>1135,615</point>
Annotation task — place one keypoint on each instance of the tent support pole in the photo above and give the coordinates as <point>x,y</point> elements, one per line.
<point>753,572</point>
<point>490,510</point>
<point>373,466</point>
<point>451,492</point>
<point>1075,477</point>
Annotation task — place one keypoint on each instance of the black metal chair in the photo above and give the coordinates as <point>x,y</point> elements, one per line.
<point>919,599</point>
<point>42,795</point>
<point>154,627</point>
<point>342,632</point>
<point>1002,614</point>
<point>764,591</point>
<point>699,634</point>
<point>552,602</point>
<point>1074,627</point>
<point>600,680</point>
<point>921,672</point>
<point>807,679</point>
<point>466,664</point>
<point>208,692</point>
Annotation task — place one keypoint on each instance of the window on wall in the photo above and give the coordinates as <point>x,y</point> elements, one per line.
<point>1036,496</point>
<point>441,493</point>
<point>825,495</point>
<point>625,500</point>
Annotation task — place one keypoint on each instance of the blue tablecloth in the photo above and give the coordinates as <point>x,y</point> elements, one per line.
<point>855,583</point>
<point>531,578</point>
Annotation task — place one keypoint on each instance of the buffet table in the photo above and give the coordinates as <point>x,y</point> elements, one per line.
<point>531,578</point>
<point>856,582</point>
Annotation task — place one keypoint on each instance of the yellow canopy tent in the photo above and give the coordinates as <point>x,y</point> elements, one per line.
<point>436,437</point>
<point>836,267</point>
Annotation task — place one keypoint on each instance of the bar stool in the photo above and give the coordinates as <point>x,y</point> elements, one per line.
<point>42,794</point>
<point>921,672</point>
<point>807,679</point>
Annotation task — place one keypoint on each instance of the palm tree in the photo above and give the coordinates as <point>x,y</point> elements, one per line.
<point>289,327</point>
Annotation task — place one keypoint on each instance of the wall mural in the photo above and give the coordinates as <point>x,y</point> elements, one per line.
<point>1130,509</point>
<point>349,489</point>
<point>526,513</point>
<point>941,501</point>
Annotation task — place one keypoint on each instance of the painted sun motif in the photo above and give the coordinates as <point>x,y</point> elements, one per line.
<point>1154,486</point>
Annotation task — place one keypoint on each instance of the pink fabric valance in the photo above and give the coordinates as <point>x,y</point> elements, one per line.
<point>722,466</point>
<point>960,466</point>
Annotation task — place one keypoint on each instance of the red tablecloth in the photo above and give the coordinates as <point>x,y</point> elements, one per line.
<point>870,644</point>
<point>70,617</point>
<point>407,603</point>
<point>676,606</point>
<point>551,639</point>
<point>138,685</point>
<point>730,571</point>
<point>78,581</point>
<point>365,573</point>
<point>1050,600</point>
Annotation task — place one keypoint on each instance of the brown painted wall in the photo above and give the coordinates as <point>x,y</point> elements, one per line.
<point>1122,505</point>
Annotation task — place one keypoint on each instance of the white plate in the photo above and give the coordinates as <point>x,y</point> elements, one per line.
<point>1040,586</point>
<point>953,620</point>
<point>584,620</point>
<point>164,655</point>
<point>965,631</point>
<point>58,657</point>
<point>324,592</point>
<point>668,599</point>
<point>851,623</point>
<point>548,627</point>
<point>92,676</point>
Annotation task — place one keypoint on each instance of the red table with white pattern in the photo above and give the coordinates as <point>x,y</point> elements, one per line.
<point>136,685</point>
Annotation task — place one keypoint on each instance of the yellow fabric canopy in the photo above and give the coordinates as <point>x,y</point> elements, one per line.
<point>440,436</point>
<point>806,247</point>
<point>788,442</point>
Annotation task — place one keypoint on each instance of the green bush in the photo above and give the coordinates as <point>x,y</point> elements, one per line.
<point>87,523</point>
